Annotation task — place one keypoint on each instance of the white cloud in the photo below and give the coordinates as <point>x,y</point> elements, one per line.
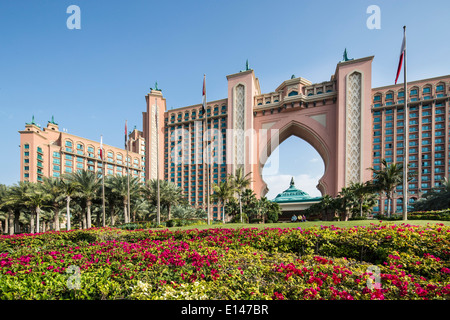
<point>304,182</point>
<point>314,160</point>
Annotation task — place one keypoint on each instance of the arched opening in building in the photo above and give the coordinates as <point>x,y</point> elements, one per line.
<point>296,159</point>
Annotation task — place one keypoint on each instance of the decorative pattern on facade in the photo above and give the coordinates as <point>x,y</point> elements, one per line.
<point>239,126</point>
<point>153,153</point>
<point>353,128</point>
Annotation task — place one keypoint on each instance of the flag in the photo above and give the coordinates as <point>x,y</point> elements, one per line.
<point>402,55</point>
<point>204,96</point>
<point>125,134</point>
<point>101,147</point>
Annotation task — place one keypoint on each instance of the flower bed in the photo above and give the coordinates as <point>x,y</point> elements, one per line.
<point>410,262</point>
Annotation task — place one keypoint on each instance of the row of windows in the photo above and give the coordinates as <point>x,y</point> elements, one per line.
<point>413,92</point>
<point>193,114</point>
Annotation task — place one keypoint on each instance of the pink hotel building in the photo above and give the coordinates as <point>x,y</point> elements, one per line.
<point>350,124</point>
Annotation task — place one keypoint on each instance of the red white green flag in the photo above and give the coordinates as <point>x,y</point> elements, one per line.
<point>101,147</point>
<point>204,95</point>
<point>402,56</point>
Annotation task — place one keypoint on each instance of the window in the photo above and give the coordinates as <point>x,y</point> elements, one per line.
<point>401,94</point>
<point>427,90</point>
<point>68,143</point>
<point>56,154</point>
<point>413,92</point>
<point>389,96</point>
<point>440,87</point>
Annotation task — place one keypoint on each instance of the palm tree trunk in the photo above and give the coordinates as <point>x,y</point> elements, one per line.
<point>125,212</point>
<point>83,221</point>
<point>88,214</point>
<point>68,213</point>
<point>97,220</point>
<point>32,222</point>
<point>16,221</point>
<point>38,210</point>
<point>361,208</point>
<point>112,215</point>
<point>240,206</point>
<point>56,220</point>
<point>11,221</point>
<point>389,205</point>
<point>168,212</point>
<point>223,214</point>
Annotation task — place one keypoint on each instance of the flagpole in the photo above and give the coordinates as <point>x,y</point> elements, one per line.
<point>103,187</point>
<point>207,158</point>
<point>158,200</point>
<point>127,144</point>
<point>406,126</point>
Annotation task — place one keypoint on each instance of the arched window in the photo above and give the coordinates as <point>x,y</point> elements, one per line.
<point>293,93</point>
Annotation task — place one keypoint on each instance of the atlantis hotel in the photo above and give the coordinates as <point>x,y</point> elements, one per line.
<point>351,125</point>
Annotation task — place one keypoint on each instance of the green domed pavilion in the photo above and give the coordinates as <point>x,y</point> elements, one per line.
<point>294,201</point>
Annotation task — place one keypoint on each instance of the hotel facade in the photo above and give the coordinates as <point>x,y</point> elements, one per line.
<point>350,124</point>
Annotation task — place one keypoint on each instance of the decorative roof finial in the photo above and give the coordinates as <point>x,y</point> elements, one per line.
<point>156,87</point>
<point>345,57</point>
<point>292,181</point>
<point>53,121</point>
<point>246,66</point>
<point>32,121</point>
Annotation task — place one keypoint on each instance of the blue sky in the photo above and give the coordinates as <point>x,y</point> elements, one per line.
<point>94,78</point>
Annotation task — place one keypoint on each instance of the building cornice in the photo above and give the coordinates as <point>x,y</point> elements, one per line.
<point>400,85</point>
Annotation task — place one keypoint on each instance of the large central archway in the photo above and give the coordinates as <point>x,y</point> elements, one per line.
<point>298,160</point>
<point>309,129</point>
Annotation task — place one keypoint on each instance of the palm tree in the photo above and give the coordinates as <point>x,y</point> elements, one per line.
<point>223,191</point>
<point>118,185</point>
<point>4,190</point>
<point>362,192</point>
<point>344,202</point>
<point>387,179</point>
<point>240,182</point>
<point>88,184</point>
<point>112,201</point>
<point>36,198</point>
<point>54,187</point>
<point>140,208</point>
<point>326,204</point>
<point>438,198</point>
<point>170,194</point>
<point>68,191</point>
<point>15,203</point>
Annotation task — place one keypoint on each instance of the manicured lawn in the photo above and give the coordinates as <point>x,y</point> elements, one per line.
<point>309,224</point>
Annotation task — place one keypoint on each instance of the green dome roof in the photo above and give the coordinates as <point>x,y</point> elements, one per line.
<point>292,194</point>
